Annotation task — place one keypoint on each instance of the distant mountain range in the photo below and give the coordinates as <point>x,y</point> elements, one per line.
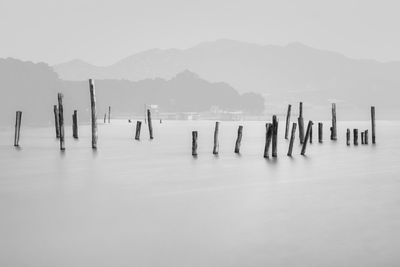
<point>32,88</point>
<point>282,74</point>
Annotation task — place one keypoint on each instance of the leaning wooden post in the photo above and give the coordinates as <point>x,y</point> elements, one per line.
<point>303,149</point>
<point>366,137</point>
<point>150,123</point>
<point>274,136</point>
<point>194,143</point>
<point>75,124</point>
<point>294,125</point>
<point>268,137</point>
<point>94,116</point>
<point>320,132</point>
<point>373,123</point>
<point>288,121</point>
<point>301,123</point>
<point>18,117</point>
<point>348,137</point>
<point>109,114</point>
<point>57,125</point>
<point>138,127</point>
<point>333,129</point>
<point>238,139</point>
<point>355,137</point>
<point>216,143</point>
<point>61,121</point>
<point>311,134</point>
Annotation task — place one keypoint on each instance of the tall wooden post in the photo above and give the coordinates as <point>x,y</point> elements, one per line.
<point>373,124</point>
<point>56,123</point>
<point>150,124</point>
<point>75,124</point>
<point>333,129</point>
<point>216,142</point>
<point>355,137</point>
<point>109,114</point>
<point>274,136</point>
<point>194,143</point>
<point>301,123</point>
<point>348,137</point>
<point>288,121</point>
<point>292,139</point>
<point>366,137</point>
<point>18,117</point>
<point>268,137</point>
<point>303,149</point>
<point>138,127</point>
<point>320,132</point>
<point>362,138</point>
<point>94,116</point>
<point>61,120</point>
<point>238,139</point>
<point>311,134</point>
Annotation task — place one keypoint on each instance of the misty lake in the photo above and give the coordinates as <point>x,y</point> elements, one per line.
<point>150,203</point>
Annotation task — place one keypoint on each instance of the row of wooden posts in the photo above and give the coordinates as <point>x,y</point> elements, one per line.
<point>271,135</point>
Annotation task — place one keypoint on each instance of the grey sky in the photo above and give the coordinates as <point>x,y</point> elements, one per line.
<point>101,32</point>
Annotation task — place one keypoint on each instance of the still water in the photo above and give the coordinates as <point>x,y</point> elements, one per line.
<point>150,203</point>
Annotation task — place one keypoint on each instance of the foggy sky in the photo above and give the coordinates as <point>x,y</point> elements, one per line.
<point>102,32</point>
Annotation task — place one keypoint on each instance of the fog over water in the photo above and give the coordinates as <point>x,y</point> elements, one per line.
<point>150,203</point>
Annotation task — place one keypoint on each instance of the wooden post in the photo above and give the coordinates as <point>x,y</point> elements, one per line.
<point>57,125</point>
<point>75,124</point>
<point>311,134</point>
<point>150,124</point>
<point>301,129</point>
<point>320,132</point>
<point>309,127</point>
<point>18,117</point>
<point>355,137</point>
<point>94,116</point>
<point>292,139</point>
<point>366,137</point>
<point>348,137</point>
<point>61,120</point>
<point>274,136</point>
<point>334,129</point>
<point>138,127</point>
<point>194,143</point>
<point>109,114</point>
<point>373,124</point>
<point>362,138</point>
<point>268,137</point>
<point>301,110</point>
<point>238,139</point>
<point>216,142</point>
<point>288,121</point>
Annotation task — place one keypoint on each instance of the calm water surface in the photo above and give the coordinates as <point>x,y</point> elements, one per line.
<point>150,203</point>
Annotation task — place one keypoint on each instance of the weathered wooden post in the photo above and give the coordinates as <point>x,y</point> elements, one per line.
<point>238,139</point>
<point>288,121</point>
<point>138,127</point>
<point>268,137</point>
<point>61,120</point>
<point>301,123</point>
<point>109,114</point>
<point>366,137</point>
<point>105,118</point>
<point>75,124</point>
<point>194,143</point>
<point>348,137</point>
<point>355,137</point>
<point>320,132</point>
<point>18,117</point>
<point>94,116</point>
<point>292,139</point>
<point>333,129</point>
<point>216,142</point>
<point>57,125</point>
<point>303,149</point>
<point>274,136</point>
<point>362,138</point>
<point>150,124</point>
<point>311,134</point>
<point>373,124</point>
